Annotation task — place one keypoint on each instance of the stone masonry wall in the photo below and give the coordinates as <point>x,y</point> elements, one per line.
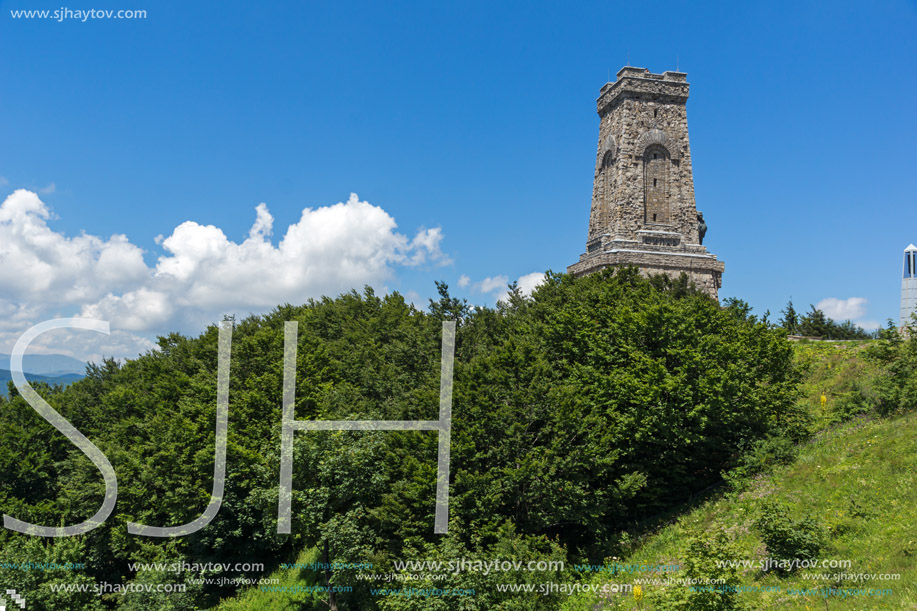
<point>634,112</point>
<point>643,137</point>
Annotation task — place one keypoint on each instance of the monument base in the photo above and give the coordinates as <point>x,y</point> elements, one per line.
<point>701,267</point>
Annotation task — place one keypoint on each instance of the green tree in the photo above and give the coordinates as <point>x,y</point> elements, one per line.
<point>790,320</point>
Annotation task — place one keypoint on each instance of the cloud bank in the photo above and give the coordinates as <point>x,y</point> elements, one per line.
<point>200,275</point>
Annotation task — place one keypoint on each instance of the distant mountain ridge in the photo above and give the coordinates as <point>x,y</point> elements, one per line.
<point>51,368</point>
<point>65,380</point>
<point>46,364</point>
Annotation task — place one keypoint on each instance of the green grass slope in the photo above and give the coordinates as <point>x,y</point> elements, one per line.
<point>841,372</point>
<point>858,483</point>
<point>853,488</point>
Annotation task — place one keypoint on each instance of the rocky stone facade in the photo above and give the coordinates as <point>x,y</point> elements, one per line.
<point>643,211</point>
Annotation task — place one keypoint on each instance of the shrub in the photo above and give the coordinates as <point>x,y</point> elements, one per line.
<point>761,457</point>
<point>40,587</point>
<point>898,384</point>
<point>787,538</point>
<point>859,400</point>
<point>716,586</point>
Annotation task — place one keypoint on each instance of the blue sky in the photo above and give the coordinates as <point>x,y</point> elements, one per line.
<point>470,125</point>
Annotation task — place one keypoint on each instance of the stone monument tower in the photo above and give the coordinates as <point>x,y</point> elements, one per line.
<point>908,286</point>
<point>643,212</point>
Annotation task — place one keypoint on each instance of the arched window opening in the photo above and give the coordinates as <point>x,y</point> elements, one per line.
<point>655,185</point>
<point>608,159</point>
<point>606,180</point>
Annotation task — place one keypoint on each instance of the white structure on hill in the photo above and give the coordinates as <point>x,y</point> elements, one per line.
<point>908,286</point>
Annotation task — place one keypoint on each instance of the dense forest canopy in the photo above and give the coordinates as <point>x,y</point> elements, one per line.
<point>578,412</point>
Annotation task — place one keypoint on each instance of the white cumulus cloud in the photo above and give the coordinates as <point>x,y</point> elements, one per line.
<point>39,265</point>
<point>492,284</point>
<point>529,282</point>
<point>497,286</point>
<point>201,273</point>
<point>843,309</point>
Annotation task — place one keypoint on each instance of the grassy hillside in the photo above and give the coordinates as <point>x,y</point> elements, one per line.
<point>843,374</point>
<point>858,483</point>
<point>849,497</point>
